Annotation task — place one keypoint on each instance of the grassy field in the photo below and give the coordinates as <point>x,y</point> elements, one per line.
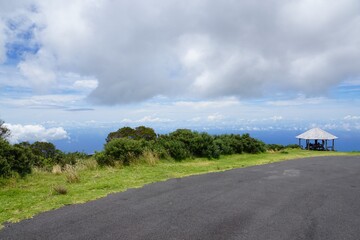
<point>23,198</point>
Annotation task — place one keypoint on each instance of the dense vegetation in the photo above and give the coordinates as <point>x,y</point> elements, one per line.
<point>127,146</point>
<point>21,158</point>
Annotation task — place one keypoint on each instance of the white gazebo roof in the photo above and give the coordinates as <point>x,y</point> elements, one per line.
<point>316,133</point>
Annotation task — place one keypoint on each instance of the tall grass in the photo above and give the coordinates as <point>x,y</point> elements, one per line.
<point>60,189</point>
<point>56,169</point>
<point>72,175</point>
<point>150,158</point>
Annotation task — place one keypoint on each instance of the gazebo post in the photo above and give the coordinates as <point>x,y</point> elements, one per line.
<point>308,144</point>
<point>333,144</point>
<point>300,142</point>
<point>326,144</point>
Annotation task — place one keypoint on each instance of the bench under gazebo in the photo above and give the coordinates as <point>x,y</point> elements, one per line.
<point>317,139</point>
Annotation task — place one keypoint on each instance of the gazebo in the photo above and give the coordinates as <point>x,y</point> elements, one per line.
<point>320,138</point>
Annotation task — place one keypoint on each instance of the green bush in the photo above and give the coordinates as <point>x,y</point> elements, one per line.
<point>14,160</point>
<point>200,144</point>
<point>229,144</point>
<point>293,146</point>
<point>104,160</point>
<point>159,149</point>
<point>37,159</point>
<point>20,161</point>
<point>194,144</point>
<point>181,144</point>
<point>176,149</point>
<point>252,145</point>
<point>5,168</point>
<point>212,151</point>
<point>124,150</point>
<point>275,147</point>
<point>43,154</point>
<point>223,146</point>
<point>183,135</point>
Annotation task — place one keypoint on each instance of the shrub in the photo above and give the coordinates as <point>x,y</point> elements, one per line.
<point>69,158</point>
<point>5,168</point>
<point>104,160</point>
<point>212,151</point>
<point>229,144</point>
<point>252,145</point>
<point>183,135</point>
<point>124,150</point>
<point>14,159</point>
<point>19,161</point>
<point>44,155</point>
<point>159,148</point>
<point>293,146</point>
<point>200,145</point>
<point>126,146</point>
<point>275,147</point>
<point>177,149</point>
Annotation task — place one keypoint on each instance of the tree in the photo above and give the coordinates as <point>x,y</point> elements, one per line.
<point>44,149</point>
<point>146,133</point>
<point>138,133</point>
<point>14,159</point>
<point>125,132</point>
<point>4,131</point>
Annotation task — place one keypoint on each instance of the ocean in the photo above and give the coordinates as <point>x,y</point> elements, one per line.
<point>91,140</point>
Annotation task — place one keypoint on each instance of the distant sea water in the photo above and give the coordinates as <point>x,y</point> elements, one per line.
<point>347,141</point>
<point>91,140</point>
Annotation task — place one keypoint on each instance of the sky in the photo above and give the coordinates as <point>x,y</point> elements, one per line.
<point>248,65</point>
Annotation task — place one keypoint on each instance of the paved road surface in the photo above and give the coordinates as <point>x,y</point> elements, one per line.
<point>317,198</point>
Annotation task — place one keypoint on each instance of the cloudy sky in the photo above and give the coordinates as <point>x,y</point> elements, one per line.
<point>200,64</point>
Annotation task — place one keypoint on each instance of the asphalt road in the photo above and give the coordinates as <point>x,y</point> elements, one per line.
<point>317,198</point>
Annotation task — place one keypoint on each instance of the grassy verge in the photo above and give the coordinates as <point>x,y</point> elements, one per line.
<point>23,198</point>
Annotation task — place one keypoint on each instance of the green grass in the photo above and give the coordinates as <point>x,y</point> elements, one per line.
<point>23,198</point>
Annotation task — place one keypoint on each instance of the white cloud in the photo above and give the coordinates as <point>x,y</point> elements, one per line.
<point>2,42</point>
<point>300,100</point>
<point>39,70</point>
<point>147,119</point>
<point>276,118</point>
<point>351,82</point>
<point>174,49</point>
<point>195,119</point>
<point>215,117</point>
<point>43,101</point>
<point>219,103</point>
<point>32,133</point>
<point>350,117</point>
<point>85,84</point>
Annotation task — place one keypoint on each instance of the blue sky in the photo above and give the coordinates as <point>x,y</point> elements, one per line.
<point>66,66</point>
